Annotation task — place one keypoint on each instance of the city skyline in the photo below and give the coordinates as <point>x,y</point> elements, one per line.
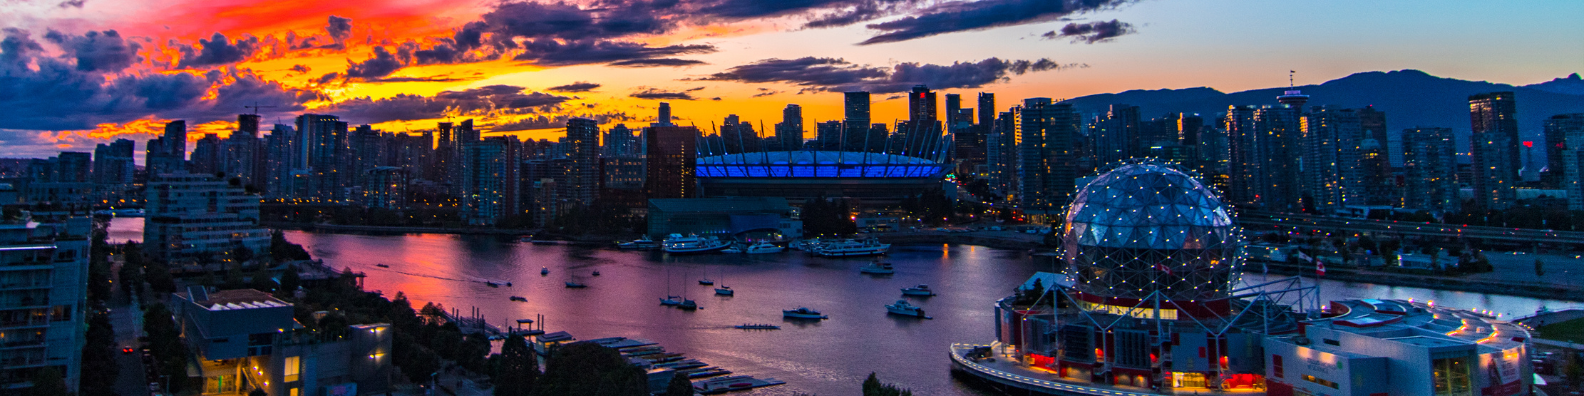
<point>729,56</point>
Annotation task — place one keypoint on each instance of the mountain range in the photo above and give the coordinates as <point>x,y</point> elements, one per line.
<point>1409,98</point>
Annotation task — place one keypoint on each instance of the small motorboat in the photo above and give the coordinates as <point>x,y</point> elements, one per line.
<point>508,284</point>
<point>733,249</point>
<point>491,284</point>
<point>764,248</point>
<point>802,313</point>
<point>518,299</point>
<point>753,326</point>
<point>922,290</point>
<point>671,301</point>
<point>596,273</point>
<point>638,244</point>
<point>382,265</point>
<point>575,285</point>
<point>526,239</point>
<point>544,271</point>
<point>707,282</point>
<point>725,291</point>
<point>901,307</point>
<point>878,268</point>
<point>688,305</point>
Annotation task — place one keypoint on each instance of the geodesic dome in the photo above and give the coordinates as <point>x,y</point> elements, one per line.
<point>1148,226</point>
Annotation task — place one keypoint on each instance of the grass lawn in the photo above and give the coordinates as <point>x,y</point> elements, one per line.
<point>1571,331</point>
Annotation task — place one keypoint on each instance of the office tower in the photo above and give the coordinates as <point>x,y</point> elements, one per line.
<point>1115,135</point>
<point>485,164</point>
<point>1188,127</point>
<point>195,216</point>
<point>73,167</point>
<point>789,132</point>
<point>1279,151</point>
<point>325,147</point>
<point>584,178</point>
<point>1569,166</point>
<point>828,135</point>
<point>45,299</point>
<point>207,155</point>
<point>1375,159</point>
<point>618,141</point>
<point>1495,150</point>
<point>1245,178</point>
<point>1430,170</point>
<point>386,188</point>
<point>1001,152</point>
<point>1154,132</point>
<point>671,162</point>
<point>856,123</point>
<point>240,154</point>
<point>248,124</point>
<point>1332,174</point>
<point>1557,130</point>
<point>953,107</point>
<point>366,151</point>
<point>1048,167</point>
<point>623,173</point>
<point>987,112</point>
<point>112,163</point>
<point>922,106</point>
<point>664,118</point>
<point>738,136</point>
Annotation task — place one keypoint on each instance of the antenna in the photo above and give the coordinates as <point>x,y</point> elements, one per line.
<point>255,107</point>
<point>1290,78</point>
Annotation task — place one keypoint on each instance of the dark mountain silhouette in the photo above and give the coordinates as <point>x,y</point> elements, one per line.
<point>1409,97</point>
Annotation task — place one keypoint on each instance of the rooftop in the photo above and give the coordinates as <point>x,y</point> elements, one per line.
<point>237,299</point>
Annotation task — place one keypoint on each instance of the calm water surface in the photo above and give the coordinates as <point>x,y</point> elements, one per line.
<point>830,357</point>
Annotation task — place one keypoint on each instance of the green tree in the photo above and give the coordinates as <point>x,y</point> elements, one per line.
<point>98,357</point>
<point>131,278</point>
<point>873,387</point>
<point>585,368</point>
<point>165,344</point>
<point>518,370</point>
<point>679,386</point>
<point>290,280</point>
<point>49,383</point>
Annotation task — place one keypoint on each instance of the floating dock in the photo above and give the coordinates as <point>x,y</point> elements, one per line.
<point>733,383</point>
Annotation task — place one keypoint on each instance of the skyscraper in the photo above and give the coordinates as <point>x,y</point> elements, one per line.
<point>45,300</point>
<point>112,163</point>
<point>1115,135</point>
<point>827,135</point>
<point>987,112</point>
<point>1048,172</point>
<point>922,107</point>
<point>1495,150</point>
<point>1001,152</point>
<point>619,141</point>
<point>1430,170</point>
<point>248,124</point>
<point>583,178</point>
<point>671,161</point>
<point>1375,158</point>
<point>168,153</point>
<point>664,118</point>
<point>953,104</point>
<point>1244,179</point>
<point>856,122</point>
<point>325,147</point>
<point>789,132</point>
<point>1557,129</point>
<point>1279,147</point>
<point>1332,174</point>
<point>207,156</point>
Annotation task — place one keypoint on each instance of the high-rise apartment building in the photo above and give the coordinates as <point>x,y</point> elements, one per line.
<point>671,162</point>
<point>953,106</point>
<point>1048,165</point>
<point>1430,170</point>
<point>1557,130</point>
<point>168,153</point>
<point>619,141</point>
<point>45,298</point>
<point>207,155</point>
<point>1114,135</point>
<point>855,123</point>
<point>828,135</point>
<point>789,132</point>
<point>197,216</point>
<point>485,165</point>
<point>583,178</point>
<point>1332,174</point>
<point>664,118</point>
<point>1380,188</point>
<point>922,106</point>
<point>325,147</point>
<point>113,163</point>
<point>1001,153</point>
<point>1494,150</point>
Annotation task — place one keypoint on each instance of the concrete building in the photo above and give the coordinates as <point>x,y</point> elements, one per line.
<point>722,217</point>
<point>1047,161</point>
<point>1001,153</point>
<point>386,188</point>
<point>1564,134</point>
<point>789,132</point>
<point>1115,135</point>
<point>1430,170</point>
<point>670,162</point>
<point>1495,150</point>
<point>1333,175</point>
<point>855,121</point>
<point>245,339</point>
<point>583,178</point>
<point>168,153</point>
<point>43,301</point>
<point>192,216</point>
<point>484,181</point>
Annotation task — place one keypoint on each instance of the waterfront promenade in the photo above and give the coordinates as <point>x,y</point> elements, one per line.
<point>1004,371</point>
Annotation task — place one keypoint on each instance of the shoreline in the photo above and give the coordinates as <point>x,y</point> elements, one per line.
<point>1530,290</point>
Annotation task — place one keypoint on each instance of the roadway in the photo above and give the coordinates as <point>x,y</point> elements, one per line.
<point>1266,221</point>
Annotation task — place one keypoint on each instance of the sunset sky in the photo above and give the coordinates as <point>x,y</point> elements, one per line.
<point>75,73</point>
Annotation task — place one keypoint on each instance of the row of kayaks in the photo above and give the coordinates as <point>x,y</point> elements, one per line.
<point>900,307</point>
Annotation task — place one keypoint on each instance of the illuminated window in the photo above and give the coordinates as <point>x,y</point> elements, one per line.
<point>1322,381</point>
<point>1276,366</point>
<point>292,370</point>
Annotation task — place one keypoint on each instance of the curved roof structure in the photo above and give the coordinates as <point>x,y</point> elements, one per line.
<point>823,164</point>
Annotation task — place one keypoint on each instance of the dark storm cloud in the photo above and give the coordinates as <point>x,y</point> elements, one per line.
<point>579,86</point>
<point>658,94</point>
<point>96,51</point>
<point>493,99</point>
<point>1092,32</point>
<point>300,68</point>
<point>831,74</point>
<point>339,28</point>
<point>965,16</point>
<point>382,64</point>
<point>71,4</point>
<point>552,121</point>
<point>556,53</point>
<point>218,51</point>
<point>659,62</point>
<point>765,92</point>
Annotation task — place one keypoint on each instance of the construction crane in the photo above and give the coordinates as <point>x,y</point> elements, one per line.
<point>255,107</point>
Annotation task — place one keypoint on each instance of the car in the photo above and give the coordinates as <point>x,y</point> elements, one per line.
<point>126,350</point>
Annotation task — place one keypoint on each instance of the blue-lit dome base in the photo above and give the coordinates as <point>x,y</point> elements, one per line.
<point>822,164</point>
<point>1146,226</point>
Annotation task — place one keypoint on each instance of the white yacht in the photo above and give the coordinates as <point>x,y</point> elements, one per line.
<point>903,308</point>
<point>852,248</point>
<point>922,290</point>
<point>878,268</point>
<point>671,301</point>
<point>643,243</point>
<point>678,244</point>
<point>802,313</point>
<point>764,248</point>
<point>806,245</point>
<point>735,248</point>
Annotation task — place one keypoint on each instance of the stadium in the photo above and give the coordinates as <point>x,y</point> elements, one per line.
<point>869,178</point>
<point>1151,301</point>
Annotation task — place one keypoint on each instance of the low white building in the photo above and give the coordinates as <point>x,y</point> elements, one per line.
<point>189,216</point>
